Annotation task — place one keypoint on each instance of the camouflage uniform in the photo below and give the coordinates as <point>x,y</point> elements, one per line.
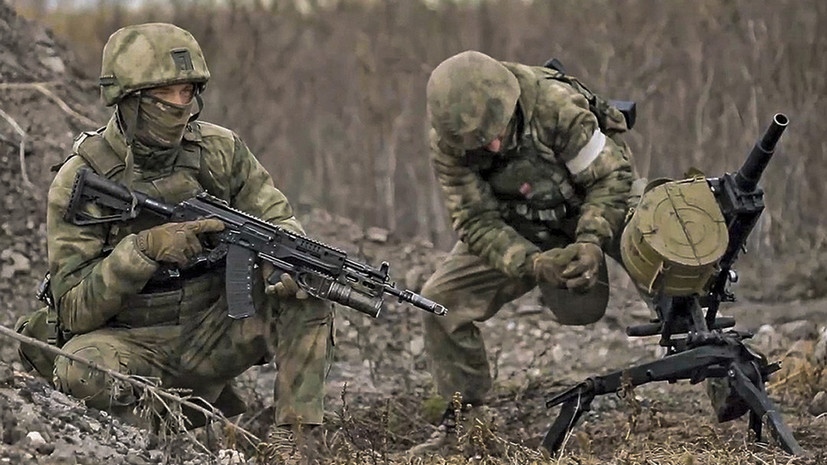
<point>559,179</point>
<point>122,310</point>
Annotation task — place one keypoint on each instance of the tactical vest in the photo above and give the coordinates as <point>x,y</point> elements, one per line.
<point>171,293</point>
<point>536,194</point>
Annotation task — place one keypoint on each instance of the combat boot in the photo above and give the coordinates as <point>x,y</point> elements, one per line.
<point>297,444</point>
<point>453,433</point>
<point>444,438</point>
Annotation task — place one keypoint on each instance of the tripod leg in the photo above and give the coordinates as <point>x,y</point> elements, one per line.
<point>570,412</point>
<point>756,423</point>
<point>760,407</point>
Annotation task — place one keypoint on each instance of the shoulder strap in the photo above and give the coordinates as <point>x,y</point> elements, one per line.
<point>609,118</point>
<point>96,151</point>
<point>206,178</point>
<point>75,144</point>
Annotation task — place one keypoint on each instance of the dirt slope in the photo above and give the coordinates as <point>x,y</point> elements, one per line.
<point>41,96</point>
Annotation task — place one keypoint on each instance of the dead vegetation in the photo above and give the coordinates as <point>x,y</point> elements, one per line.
<point>331,95</point>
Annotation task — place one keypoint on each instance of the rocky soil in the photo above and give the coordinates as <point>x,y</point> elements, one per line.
<point>380,396</point>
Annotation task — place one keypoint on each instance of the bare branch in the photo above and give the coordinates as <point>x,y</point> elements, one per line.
<point>22,134</point>
<point>41,87</point>
<point>154,390</point>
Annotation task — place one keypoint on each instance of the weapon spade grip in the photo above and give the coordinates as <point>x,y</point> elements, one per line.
<point>747,177</point>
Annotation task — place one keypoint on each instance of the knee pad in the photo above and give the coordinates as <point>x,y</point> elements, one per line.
<point>98,389</point>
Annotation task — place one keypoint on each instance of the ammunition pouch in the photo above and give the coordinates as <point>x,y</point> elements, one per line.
<point>164,303</point>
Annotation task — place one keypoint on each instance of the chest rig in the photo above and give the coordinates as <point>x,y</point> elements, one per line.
<point>535,196</point>
<point>171,293</point>
<point>173,183</point>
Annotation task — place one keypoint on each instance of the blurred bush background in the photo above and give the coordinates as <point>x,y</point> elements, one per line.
<point>330,94</point>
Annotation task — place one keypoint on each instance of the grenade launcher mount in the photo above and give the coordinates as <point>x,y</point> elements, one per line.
<point>697,348</point>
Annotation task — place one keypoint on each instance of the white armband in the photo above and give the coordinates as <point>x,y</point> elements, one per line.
<point>588,153</point>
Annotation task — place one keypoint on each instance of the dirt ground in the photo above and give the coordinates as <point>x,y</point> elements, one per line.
<point>380,396</point>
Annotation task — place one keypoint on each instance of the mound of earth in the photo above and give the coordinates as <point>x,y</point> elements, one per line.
<point>44,103</point>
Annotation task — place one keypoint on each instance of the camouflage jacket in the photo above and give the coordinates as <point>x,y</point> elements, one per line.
<point>96,269</point>
<point>556,167</point>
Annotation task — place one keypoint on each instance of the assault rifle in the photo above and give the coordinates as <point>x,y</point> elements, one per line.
<point>702,349</point>
<point>322,271</point>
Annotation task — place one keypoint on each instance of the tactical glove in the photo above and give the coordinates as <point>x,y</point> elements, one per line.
<point>176,242</point>
<point>574,267</point>
<point>285,288</point>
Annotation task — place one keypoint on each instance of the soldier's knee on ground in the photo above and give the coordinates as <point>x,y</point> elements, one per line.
<point>93,386</point>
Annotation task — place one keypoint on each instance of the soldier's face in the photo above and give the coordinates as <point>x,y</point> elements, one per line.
<point>179,94</point>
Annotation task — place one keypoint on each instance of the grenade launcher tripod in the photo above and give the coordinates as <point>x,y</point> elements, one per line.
<point>697,347</point>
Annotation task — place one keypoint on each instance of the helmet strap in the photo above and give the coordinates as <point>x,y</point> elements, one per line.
<point>200,102</point>
<point>129,136</point>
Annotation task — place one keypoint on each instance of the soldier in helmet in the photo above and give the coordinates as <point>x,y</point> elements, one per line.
<point>537,186</point>
<point>125,296</point>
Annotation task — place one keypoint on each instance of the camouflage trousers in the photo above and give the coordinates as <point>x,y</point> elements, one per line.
<point>201,350</point>
<point>473,292</point>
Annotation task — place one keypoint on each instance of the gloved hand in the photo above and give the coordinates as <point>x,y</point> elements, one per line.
<point>574,267</point>
<point>285,288</point>
<point>176,242</point>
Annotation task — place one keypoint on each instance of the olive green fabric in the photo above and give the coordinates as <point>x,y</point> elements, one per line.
<point>558,180</point>
<point>149,55</point>
<point>474,292</point>
<point>203,350</point>
<point>181,335</point>
<point>158,123</point>
<point>36,325</point>
<point>503,205</point>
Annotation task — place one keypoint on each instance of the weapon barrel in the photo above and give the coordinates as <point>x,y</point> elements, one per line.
<point>747,177</point>
<point>416,300</point>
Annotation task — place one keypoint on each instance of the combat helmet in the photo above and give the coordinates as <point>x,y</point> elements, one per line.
<point>150,55</point>
<point>471,98</point>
